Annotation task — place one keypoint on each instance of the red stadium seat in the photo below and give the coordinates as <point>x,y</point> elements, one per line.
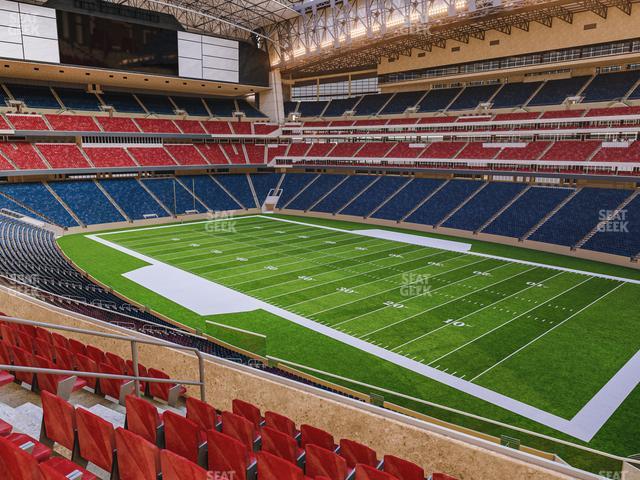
<point>138,459</point>
<point>96,354</point>
<point>58,422</point>
<point>96,439</point>
<point>184,437</point>
<point>281,423</point>
<point>143,419</point>
<point>402,469</point>
<point>142,372</point>
<point>44,349</point>
<point>271,467</point>
<point>24,467</point>
<point>365,472</point>
<point>60,340</point>
<point>248,411</point>
<point>62,385</point>
<point>86,364</point>
<point>354,453</point>
<point>169,392</point>
<point>320,461</point>
<point>316,436</point>
<point>175,467</point>
<point>239,428</point>
<point>23,358</point>
<point>202,414</point>
<point>65,360</point>
<point>117,362</point>
<point>226,454</point>
<point>281,445</point>
<point>38,450</point>
<point>5,428</point>
<point>117,389</point>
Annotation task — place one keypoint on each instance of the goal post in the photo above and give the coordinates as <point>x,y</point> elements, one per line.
<point>238,337</point>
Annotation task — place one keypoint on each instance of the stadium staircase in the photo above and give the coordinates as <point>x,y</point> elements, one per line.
<point>550,214</point>
<point>64,205</point>
<point>112,201</point>
<point>154,196</point>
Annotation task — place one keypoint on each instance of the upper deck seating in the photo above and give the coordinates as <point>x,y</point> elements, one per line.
<point>514,95</point>
<point>34,96</point>
<point>338,106</point>
<point>63,155</point>
<point>23,156</point>
<point>312,109</point>
<point>402,101</point>
<point>478,150</point>
<point>531,151</point>
<point>217,127</point>
<point>27,122</point>
<point>151,156</point>
<point>122,102</point>
<point>610,86</point>
<point>185,154</point>
<point>241,128</point>
<point>104,157</point>
<point>154,125</point>
<point>443,150</point>
<point>405,150</point>
<point>77,99</point>
<point>572,150</point>
<point>374,149</point>
<point>438,99</point>
<point>248,109</point>
<point>555,92</point>
<point>471,97</point>
<point>213,153</point>
<point>371,104</point>
<point>190,126</point>
<point>622,154</point>
<point>157,104</point>
<point>192,105</point>
<point>72,123</point>
<point>221,107</point>
<point>290,107</point>
<point>117,124</point>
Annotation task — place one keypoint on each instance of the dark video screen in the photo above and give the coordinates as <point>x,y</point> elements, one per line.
<point>105,43</point>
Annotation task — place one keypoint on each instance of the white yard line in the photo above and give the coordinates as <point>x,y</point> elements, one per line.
<point>546,333</point>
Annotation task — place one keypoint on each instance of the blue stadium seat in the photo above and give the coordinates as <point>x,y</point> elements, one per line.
<point>315,191</point>
<point>338,106</point>
<point>515,94</point>
<point>371,104</point>
<point>581,214</point>
<point>210,193</point>
<point>438,99</point>
<point>635,95</point>
<point>38,198</point>
<point>312,109</point>
<point>174,195</point>
<point>292,185</point>
<point>290,107</point>
<point>238,186</point>
<point>347,190</point>
<point>158,104</point>
<point>555,92</point>
<point>122,102</point>
<point>610,86</point>
<point>443,202</point>
<point>483,206</point>
<point>4,99</point>
<point>191,105</point>
<point>221,107</point>
<point>77,99</point>
<point>7,203</point>
<point>527,211</point>
<point>401,102</point>
<point>34,96</point>
<point>87,201</point>
<point>134,200</point>
<point>263,182</point>
<point>376,194</point>
<point>620,236</point>
<point>398,206</point>
<point>249,110</point>
<point>471,97</point>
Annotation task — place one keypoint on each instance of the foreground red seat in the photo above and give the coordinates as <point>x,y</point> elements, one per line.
<point>239,428</point>
<point>23,358</point>
<point>355,453</point>
<point>25,467</point>
<point>58,422</point>
<point>184,437</point>
<point>248,411</point>
<point>323,462</point>
<point>271,467</point>
<point>281,445</point>
<point>226,454</point>
<point>365,472</point>
<point>117,389</point>
<point>61,385</point>
<point>169,392</point>
<point>144,420</point>
<point>402,469</point>
<point>5,428</point>
<point>87,364</point>
<point>202,414</point>
<point>138,459</point>
<point>96,439</point>
<point>311,435</point>
<point>175,467</point>
<point>281,423</point>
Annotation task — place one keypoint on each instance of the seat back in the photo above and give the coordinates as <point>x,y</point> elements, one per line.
<point>181,435</point>
<point>142,418</point>
<point>96,354</point>
<point>280,422</point>
<point>44,335</point>
<point>365,472</point>
<point>96,438</point>
<point>109,387</point>
<point>159,390</point>
<point>138,459</point>
<point>46,381</point>
<point>226,454</point>
<point>354,453</point>
<point>86,364</point>
<point>248,411</point>
<point>24,359</point>
<point>60,340</point>
<point>22,465</point>
<point>316,436</point>
<point>5,352</point>
<point>77,347</point>
<point>271,467</point>
<point>175,467</point>
<point>279,444</point>
<point>24,340</point>
<point>58,419</point>
<point>403,469</point>
<point>323,462</point>
<point>201,413</point>
<point>43,348</point>
<point>239,428</point>
<point>65,359</point>
<point>8,333</point>
<point>117,362</point>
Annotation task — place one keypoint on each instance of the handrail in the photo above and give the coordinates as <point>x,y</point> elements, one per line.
<point>134,354</point>
<point>456,411</point>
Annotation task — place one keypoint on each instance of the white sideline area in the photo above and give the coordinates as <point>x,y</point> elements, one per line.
<point>205,297</point>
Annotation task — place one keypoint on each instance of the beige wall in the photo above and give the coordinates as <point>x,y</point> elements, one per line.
<point>435,448</point>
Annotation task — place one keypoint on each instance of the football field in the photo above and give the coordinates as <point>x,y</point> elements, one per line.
<point>539,336</point>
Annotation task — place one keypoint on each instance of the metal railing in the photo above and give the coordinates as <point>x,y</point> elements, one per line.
<point>134,342</point>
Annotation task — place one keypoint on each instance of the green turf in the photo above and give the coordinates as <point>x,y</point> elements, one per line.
<point>405,298</point>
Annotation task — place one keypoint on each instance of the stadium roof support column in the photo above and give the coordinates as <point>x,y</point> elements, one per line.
<point>272,101</point>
